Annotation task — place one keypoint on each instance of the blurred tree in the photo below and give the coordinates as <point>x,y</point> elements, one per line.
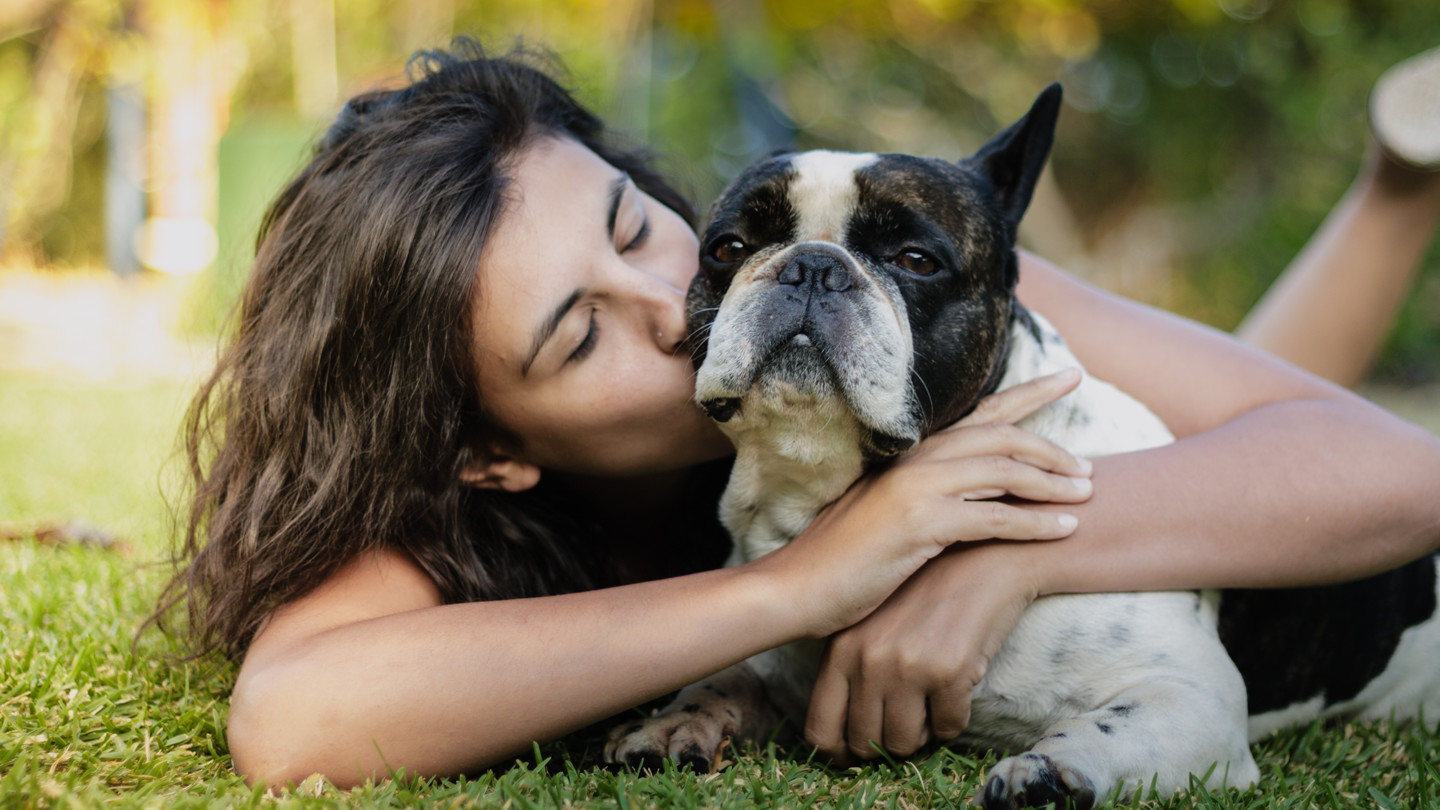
<point>1202,142</point>
<point>50,53</point>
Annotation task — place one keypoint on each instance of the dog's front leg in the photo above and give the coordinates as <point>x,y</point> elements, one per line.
<point>1153,734</point>
<point>731,703</point>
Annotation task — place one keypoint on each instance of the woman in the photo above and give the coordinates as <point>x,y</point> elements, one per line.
<point>459,500</point>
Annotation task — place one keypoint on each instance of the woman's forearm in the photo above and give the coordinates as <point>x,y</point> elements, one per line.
<point>454,688</point>
<point>1303,492</point>
<point>370,672</point>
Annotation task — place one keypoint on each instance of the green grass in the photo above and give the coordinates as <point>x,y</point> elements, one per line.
<point>87,722</point>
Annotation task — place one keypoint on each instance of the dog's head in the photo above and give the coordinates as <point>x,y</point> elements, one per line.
<point>885,280</point>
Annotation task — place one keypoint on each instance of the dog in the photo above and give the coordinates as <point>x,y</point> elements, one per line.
<point>849,304</point>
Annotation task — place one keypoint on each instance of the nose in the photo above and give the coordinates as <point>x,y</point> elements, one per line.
<point>661,309</point>
<point>816,271</point>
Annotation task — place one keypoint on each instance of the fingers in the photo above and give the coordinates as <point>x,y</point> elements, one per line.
<point>993,520</point>
<point>993,476</point>
<point>949,711</point>
<point>1019,401</point>
<point>905,729</point>
<point>1001,439</point>
<point>825,723</point>
<point>863,724</point>
<point>847,720</point>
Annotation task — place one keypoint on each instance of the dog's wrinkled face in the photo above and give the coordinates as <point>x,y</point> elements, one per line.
<point>883,280</point>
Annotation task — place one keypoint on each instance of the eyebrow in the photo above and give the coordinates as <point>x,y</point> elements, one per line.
<point>617,190</point>
<point>546,330</point>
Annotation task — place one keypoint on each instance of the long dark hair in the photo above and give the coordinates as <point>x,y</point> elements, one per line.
<point>341,413</point>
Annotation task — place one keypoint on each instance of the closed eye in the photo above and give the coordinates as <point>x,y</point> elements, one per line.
<point>587,344</point>
<point>641,237</point>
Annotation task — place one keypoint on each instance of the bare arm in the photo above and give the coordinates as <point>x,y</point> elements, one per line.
<point>371,673</point>
<point>1277,479</point>
<point>1330,311</point>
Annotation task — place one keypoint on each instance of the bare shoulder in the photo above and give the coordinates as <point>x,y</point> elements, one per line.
<point>374,584</point>
<point>1192,376</point>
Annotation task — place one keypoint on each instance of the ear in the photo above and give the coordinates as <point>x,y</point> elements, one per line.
<point>495,469</point>
<point>1014,159</point>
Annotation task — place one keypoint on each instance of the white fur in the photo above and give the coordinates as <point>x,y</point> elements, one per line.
<point>823,191</point>
<point>1126,690</point>
<point>1189,700</point>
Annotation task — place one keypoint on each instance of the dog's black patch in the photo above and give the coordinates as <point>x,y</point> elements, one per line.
<point>1123,710</point>
<point>1044,787</point>
<point>1292,645</point>
<point>1105,728</point>
<point>692,757</point>
<point>692,708</point>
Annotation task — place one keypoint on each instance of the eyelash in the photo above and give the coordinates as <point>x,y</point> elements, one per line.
<point>588,344</point>
<point>641,237</point>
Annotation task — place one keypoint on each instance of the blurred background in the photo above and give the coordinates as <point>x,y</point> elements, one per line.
<point>1201,143</point>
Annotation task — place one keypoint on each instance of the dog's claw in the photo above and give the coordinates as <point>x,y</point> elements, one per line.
<point>689,738</point>
<point>691,756</point>
<point>1035,781</point>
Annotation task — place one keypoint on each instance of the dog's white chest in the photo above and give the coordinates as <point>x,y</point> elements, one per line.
<point>794,454</point>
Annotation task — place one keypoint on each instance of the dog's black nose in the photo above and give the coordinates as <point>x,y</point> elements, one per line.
<point>816,268</point>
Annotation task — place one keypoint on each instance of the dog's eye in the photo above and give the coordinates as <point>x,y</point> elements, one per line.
<point>916,262</point>
<point>728,249</point>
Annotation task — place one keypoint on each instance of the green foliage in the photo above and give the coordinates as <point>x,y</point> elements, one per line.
<point>1233,125</point>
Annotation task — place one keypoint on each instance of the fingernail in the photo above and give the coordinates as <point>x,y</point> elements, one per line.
<point>1067,522</point>
<point>1081,484</point>
<point>1085,466</point>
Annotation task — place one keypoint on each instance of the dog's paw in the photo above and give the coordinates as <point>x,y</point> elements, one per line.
<point>690,735</point>
<point>1034,780</point>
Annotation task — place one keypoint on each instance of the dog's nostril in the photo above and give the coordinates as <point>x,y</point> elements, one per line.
<point>793,273</point>
<point>827,271</point>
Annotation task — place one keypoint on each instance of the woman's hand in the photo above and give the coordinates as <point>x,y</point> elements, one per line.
<point>863,546</point>
<point>904,675</point>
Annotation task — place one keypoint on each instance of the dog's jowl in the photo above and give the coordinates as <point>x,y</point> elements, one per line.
<point>847,305</point>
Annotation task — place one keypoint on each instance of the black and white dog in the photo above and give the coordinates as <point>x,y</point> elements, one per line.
<point>849,304</point>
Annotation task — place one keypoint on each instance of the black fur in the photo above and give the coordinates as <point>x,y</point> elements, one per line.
<point>963,215</point>
<point>1293,645</point>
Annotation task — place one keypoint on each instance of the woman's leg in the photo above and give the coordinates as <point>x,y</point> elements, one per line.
<point>1331,309</point>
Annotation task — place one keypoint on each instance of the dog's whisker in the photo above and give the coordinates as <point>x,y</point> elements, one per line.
<point>923,387</point>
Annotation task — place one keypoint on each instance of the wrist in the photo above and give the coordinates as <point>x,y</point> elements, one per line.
<point>780,592</point>
<point>1024,565</point>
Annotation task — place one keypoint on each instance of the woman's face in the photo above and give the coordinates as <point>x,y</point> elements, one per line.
<point>579,313</point>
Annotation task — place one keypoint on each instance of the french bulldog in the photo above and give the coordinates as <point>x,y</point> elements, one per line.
<point>846,306</point>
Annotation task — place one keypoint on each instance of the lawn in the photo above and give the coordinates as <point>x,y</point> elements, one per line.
<point>87,719</point>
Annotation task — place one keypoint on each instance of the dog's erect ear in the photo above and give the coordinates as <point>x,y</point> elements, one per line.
<point>1014,159</point>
